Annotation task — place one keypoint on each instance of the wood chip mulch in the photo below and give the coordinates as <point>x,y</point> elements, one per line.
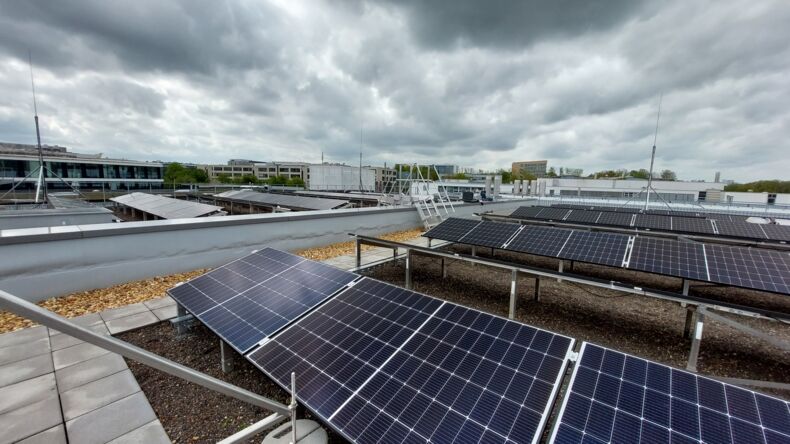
<point>93,301</point>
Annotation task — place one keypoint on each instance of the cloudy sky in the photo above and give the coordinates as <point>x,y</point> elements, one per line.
<point>476,83</point>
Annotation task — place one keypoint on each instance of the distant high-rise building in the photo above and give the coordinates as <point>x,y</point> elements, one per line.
<point>717,179</point>
<point>535,167</point>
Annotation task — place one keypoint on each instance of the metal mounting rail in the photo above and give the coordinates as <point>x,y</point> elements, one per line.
<point>35,313</point>
<point>585,280</point>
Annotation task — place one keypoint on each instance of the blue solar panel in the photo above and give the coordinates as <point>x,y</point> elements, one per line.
<point>595,247</point>
<point>619,398</point>
<point>451,229</point>
<point>526,212</point>
<point>749,267</point>
<point>383,364</point>
<point>543,241</point>
<point>490,234</point>
<point>248,299</point>
<point>669,257</point>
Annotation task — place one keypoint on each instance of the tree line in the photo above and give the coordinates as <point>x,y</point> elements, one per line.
<point>175,173</point>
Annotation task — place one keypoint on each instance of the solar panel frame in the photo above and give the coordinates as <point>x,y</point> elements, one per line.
<point>624,398</point>
<point>583,217</point>
<point>377,409</point>
<point>552,214</point>
<point>776,232</point>
<point>526,212</point>
<point>740,229</point>
<point>692,225</point>
<point>490,234</point>
<point>653,222</point>
<point>452,229</point>
<point>253,297</point>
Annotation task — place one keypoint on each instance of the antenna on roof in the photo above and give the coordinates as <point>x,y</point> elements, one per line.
<point>653,155</point>
<point>41,186</point>
<point>360,158</point>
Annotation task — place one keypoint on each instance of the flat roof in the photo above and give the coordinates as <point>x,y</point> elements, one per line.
<point>283,200</point>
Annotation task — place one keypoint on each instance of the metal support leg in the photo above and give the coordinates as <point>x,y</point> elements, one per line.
<point>394,253</point>
<point>429,242</point>
<point>444,269</point>
<point>570,267</point>
<point>358,252</point>
<point>474,253</point>
<point>696,340</point>
<point>512,310</point>
<point>689,322</point>
<point>225,356</point>
<point>181,312</point>
<point>492,251</point>
<point>408,269</point>
<point>562,264</point>
<point>537,289</point>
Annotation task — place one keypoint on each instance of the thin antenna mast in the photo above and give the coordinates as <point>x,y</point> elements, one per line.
<point>41,185</point>
<point>360,159</point>
<point>653,155</point>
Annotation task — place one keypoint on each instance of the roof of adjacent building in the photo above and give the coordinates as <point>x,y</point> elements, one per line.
<point>165,207</point>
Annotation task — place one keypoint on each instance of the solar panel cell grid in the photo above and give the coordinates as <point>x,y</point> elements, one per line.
<point>777,232</point>
<point>452,229</point>
<point>669,257</point>
<point>692,225</point>
<point>383,364</point>
<point>526,212</point>
<point>749,267</point>
<point>614,397</point>
<point>543,241</point>
<point>615,219</point>
<point>582,216</point>
<point>653,222</point>
<point>490,234</point>
<point>242,302</point>
<point>742,229</point>
<point>553,213</point>
<point>595,247</point>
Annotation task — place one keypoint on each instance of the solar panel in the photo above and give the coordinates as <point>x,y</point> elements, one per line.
<point>452,229</point>
<point>526,212</point>
<point>669,257</point>
<point>249,299</point>
<point>490,234</point>
<point>692,225</point>
<point>596,248</point>
<point>383,364</point>
<point>776,232</point>
<point>653,222</point>
<point>582,216</point>
<point>619,398</point>
<point>543,241</point>
<point>552,213</point>
<point>615,219</point>
<point>749,267</point>
<point>284,200</point>
<point>165,207</point>
<point>740,229</point>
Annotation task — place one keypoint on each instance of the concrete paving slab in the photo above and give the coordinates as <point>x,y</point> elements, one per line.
<point>55,435</point>
<point>75,354</point>
<point>151,433</point>
<point>116,419</point>
<point>153,304</point>
<point>30,420</point>
<point>27,392</point>
<point>165,313</point>
<point>60,341</point>
<point>120,312</point>
<point>89,371</point>
<point>22,336</point>
<point>26,350</point>
<point>26,369</point>
<point>120,325</point>
<point>86,320</point>
<point>93,395</point>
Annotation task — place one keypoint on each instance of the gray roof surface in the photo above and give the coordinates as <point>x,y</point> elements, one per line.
<point>283,200</point>
<point>165,207</point>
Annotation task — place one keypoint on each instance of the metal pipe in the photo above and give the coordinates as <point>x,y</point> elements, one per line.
<point>696,340</point>
<point>254,429</point>
<point>292,406</point>
<point>45,317</point>
<point>512,309</point>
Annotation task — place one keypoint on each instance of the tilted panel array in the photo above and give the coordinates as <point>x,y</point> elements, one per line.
<point>247,300</point>
<point>490,234</point>
<point>694,223</point>
<point>753,268</point>
<point>384,364</point>
<point>619,398</point>
<point>452,229</point>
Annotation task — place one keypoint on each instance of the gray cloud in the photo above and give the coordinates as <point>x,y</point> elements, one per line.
<point>475,83</point>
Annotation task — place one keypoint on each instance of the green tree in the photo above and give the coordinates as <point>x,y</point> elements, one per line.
<point>177,173</point>
<point>224,178</point>
<point>200,175</point>
<point>277,180</point>
<point>551,173</point>
<point>761,186</point>
<point>525,175</point>
<point>458,176</point>
<point>639,174</point>
<point>247,179</point>
<point>668,175</point>
<point>295,182</point>
<point>507,176</point>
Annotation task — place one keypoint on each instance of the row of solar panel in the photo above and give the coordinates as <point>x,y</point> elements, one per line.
<point>757,269</point>
<point>382,364</point>
<point>673,212</point>
<point>726,228</point>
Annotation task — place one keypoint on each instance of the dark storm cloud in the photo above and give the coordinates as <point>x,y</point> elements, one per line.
<point>508,24</point>
<point>474,83</point>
